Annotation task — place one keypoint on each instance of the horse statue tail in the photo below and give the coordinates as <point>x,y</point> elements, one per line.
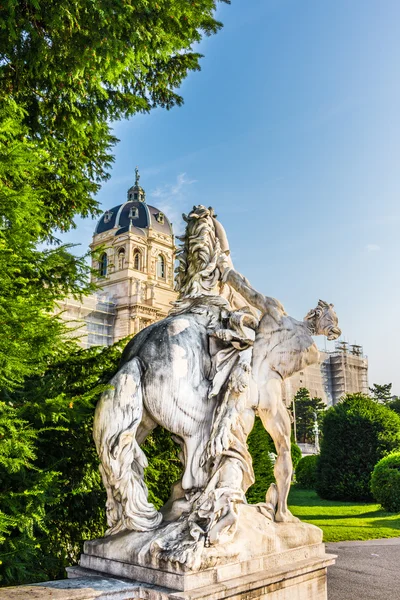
<point>117,417</point>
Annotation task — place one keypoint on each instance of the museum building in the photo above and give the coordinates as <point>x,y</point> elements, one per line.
<point>134,246</point>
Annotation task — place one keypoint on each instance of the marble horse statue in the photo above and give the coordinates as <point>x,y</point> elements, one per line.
<point>203,373</point>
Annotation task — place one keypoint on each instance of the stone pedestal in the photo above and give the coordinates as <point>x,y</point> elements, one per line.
<point>303,580</point>
<point>262,561</point>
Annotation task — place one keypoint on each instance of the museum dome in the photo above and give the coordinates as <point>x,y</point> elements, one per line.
<point>134,215</point>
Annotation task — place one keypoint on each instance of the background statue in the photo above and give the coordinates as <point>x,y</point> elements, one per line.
<point>203,373</point>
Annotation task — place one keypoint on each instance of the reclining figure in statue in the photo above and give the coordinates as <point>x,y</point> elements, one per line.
<point>282,347</point>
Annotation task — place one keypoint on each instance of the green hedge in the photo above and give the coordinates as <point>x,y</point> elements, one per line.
<point>357,433</point>
<point>306,472</point>
<point>385,482</point>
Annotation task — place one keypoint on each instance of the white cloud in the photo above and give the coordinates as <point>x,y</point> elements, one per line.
<point>372,248</point>
<point>171,199</point>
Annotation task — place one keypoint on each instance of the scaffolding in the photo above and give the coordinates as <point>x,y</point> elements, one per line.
<point>90,321</point>
<point>100,323</point>
<point>349,370</point>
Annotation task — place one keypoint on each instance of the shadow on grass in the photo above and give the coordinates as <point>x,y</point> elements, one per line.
<point>357,516</point>
<point>301,497</point>
<point>387,524</point>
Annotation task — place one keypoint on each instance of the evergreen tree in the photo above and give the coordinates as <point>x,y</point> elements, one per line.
<point>66,71</point>
<point>52,497</point>
<point>308,411</point>
<point>381,393</point>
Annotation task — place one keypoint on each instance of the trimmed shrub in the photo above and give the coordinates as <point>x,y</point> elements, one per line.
<point>357,433</point>
<point>385,482</point>
<point>306,472</point>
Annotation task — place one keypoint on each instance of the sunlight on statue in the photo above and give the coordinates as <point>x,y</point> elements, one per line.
<point>204,373</point>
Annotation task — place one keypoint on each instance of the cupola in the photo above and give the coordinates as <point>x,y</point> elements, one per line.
<point>136,193</point>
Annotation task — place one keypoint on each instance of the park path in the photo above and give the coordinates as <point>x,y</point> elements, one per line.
<point>365,570</point>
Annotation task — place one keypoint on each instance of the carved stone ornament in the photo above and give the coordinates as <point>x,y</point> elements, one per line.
<point>204,373</point>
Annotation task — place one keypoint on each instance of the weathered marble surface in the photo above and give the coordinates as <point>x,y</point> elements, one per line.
<point>302,580</point>
<point>83,587</point>
<point>203,373</point>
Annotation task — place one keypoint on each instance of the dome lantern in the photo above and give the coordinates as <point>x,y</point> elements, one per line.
<point>136,193</point>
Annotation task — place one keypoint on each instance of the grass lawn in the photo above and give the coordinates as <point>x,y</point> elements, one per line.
<point>343,520</point>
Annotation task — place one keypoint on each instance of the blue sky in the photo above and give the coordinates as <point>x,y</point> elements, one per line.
<point>292,132</point>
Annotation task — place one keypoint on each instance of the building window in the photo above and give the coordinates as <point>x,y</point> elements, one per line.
<point>160,217</point>
<point>161,267</point>
<point>134,213</point>
<point>107,216</point>
<point>137,260</point>
<point>121,258</point>
<point>103,265</point>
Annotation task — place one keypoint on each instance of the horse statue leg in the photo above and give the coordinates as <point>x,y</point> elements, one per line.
<point>118,416</point>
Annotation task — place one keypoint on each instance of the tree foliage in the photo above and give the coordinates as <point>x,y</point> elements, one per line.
<point>357,433</point>
<point>262,450</point>
<point>67,70</point>
<point>394,405</point>
<point>261,447</point>
<point>31,279</point>
<point>77,66</point>
<point>295,453</point>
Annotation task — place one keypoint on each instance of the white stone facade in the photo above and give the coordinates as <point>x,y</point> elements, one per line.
<point>142,294</point>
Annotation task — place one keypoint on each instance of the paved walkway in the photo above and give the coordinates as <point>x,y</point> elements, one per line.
<point>365,570</point>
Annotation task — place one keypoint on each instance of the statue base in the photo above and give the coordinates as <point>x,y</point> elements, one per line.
<point>263,560</point>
